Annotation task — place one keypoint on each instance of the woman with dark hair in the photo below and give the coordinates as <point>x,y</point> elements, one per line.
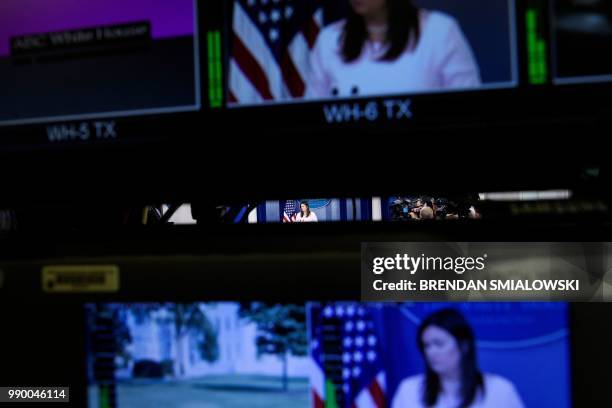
<point>452,378</point>
<point>390,46</point>
<point>305,215</point>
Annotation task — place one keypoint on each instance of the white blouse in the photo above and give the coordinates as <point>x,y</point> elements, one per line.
<point>498,393</point>
<point>306,218</point>
<point>442,59</point>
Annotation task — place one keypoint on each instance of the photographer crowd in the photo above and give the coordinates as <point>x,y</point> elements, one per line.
<point>430,208</point>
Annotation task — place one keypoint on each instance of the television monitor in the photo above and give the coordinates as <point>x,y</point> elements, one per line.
<point>315,354</point>
<point>582,41</point>
<point>62,62</point>
<point>283,52</point>
<point>317,210</point>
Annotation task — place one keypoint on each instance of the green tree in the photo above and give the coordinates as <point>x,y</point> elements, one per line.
<point>281,331</point>
<point>187,318</point>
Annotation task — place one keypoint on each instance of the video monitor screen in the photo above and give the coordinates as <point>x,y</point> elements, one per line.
<point>63,60</point>
<point>582,35</point>
<point>430,207</point>
<point>331,354</point>
<point>287,51</point>
<point>317,210</point>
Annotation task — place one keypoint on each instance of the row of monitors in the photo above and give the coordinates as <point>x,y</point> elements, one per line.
<point>330,354</point>
<point>62,62</point>
<point>396,208</point>
<point>407,207</point>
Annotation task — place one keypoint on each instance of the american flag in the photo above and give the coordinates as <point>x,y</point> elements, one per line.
<point>289,211</point>
<point>347,367</point>
<point>270,49</point>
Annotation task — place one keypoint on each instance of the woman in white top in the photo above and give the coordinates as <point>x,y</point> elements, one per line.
<point>452,378</point>
<point>305,215</point>
<point>387,47</point>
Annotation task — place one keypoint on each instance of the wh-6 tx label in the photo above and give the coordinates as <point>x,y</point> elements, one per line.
<point>390,109</point>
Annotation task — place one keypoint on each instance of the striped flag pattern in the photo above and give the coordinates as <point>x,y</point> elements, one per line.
<point>270,49</point>
<point>289,211</point>
<point>347,369</point>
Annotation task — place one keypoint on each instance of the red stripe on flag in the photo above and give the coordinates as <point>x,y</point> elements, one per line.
<point>377,394</point>
<point>250,67</point>
<point>292,77</point>
<point>317,401</point>
<point>232,98</point>
<point>311,32</point>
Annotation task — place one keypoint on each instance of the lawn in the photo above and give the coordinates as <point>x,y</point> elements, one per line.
<point>225,391</point>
